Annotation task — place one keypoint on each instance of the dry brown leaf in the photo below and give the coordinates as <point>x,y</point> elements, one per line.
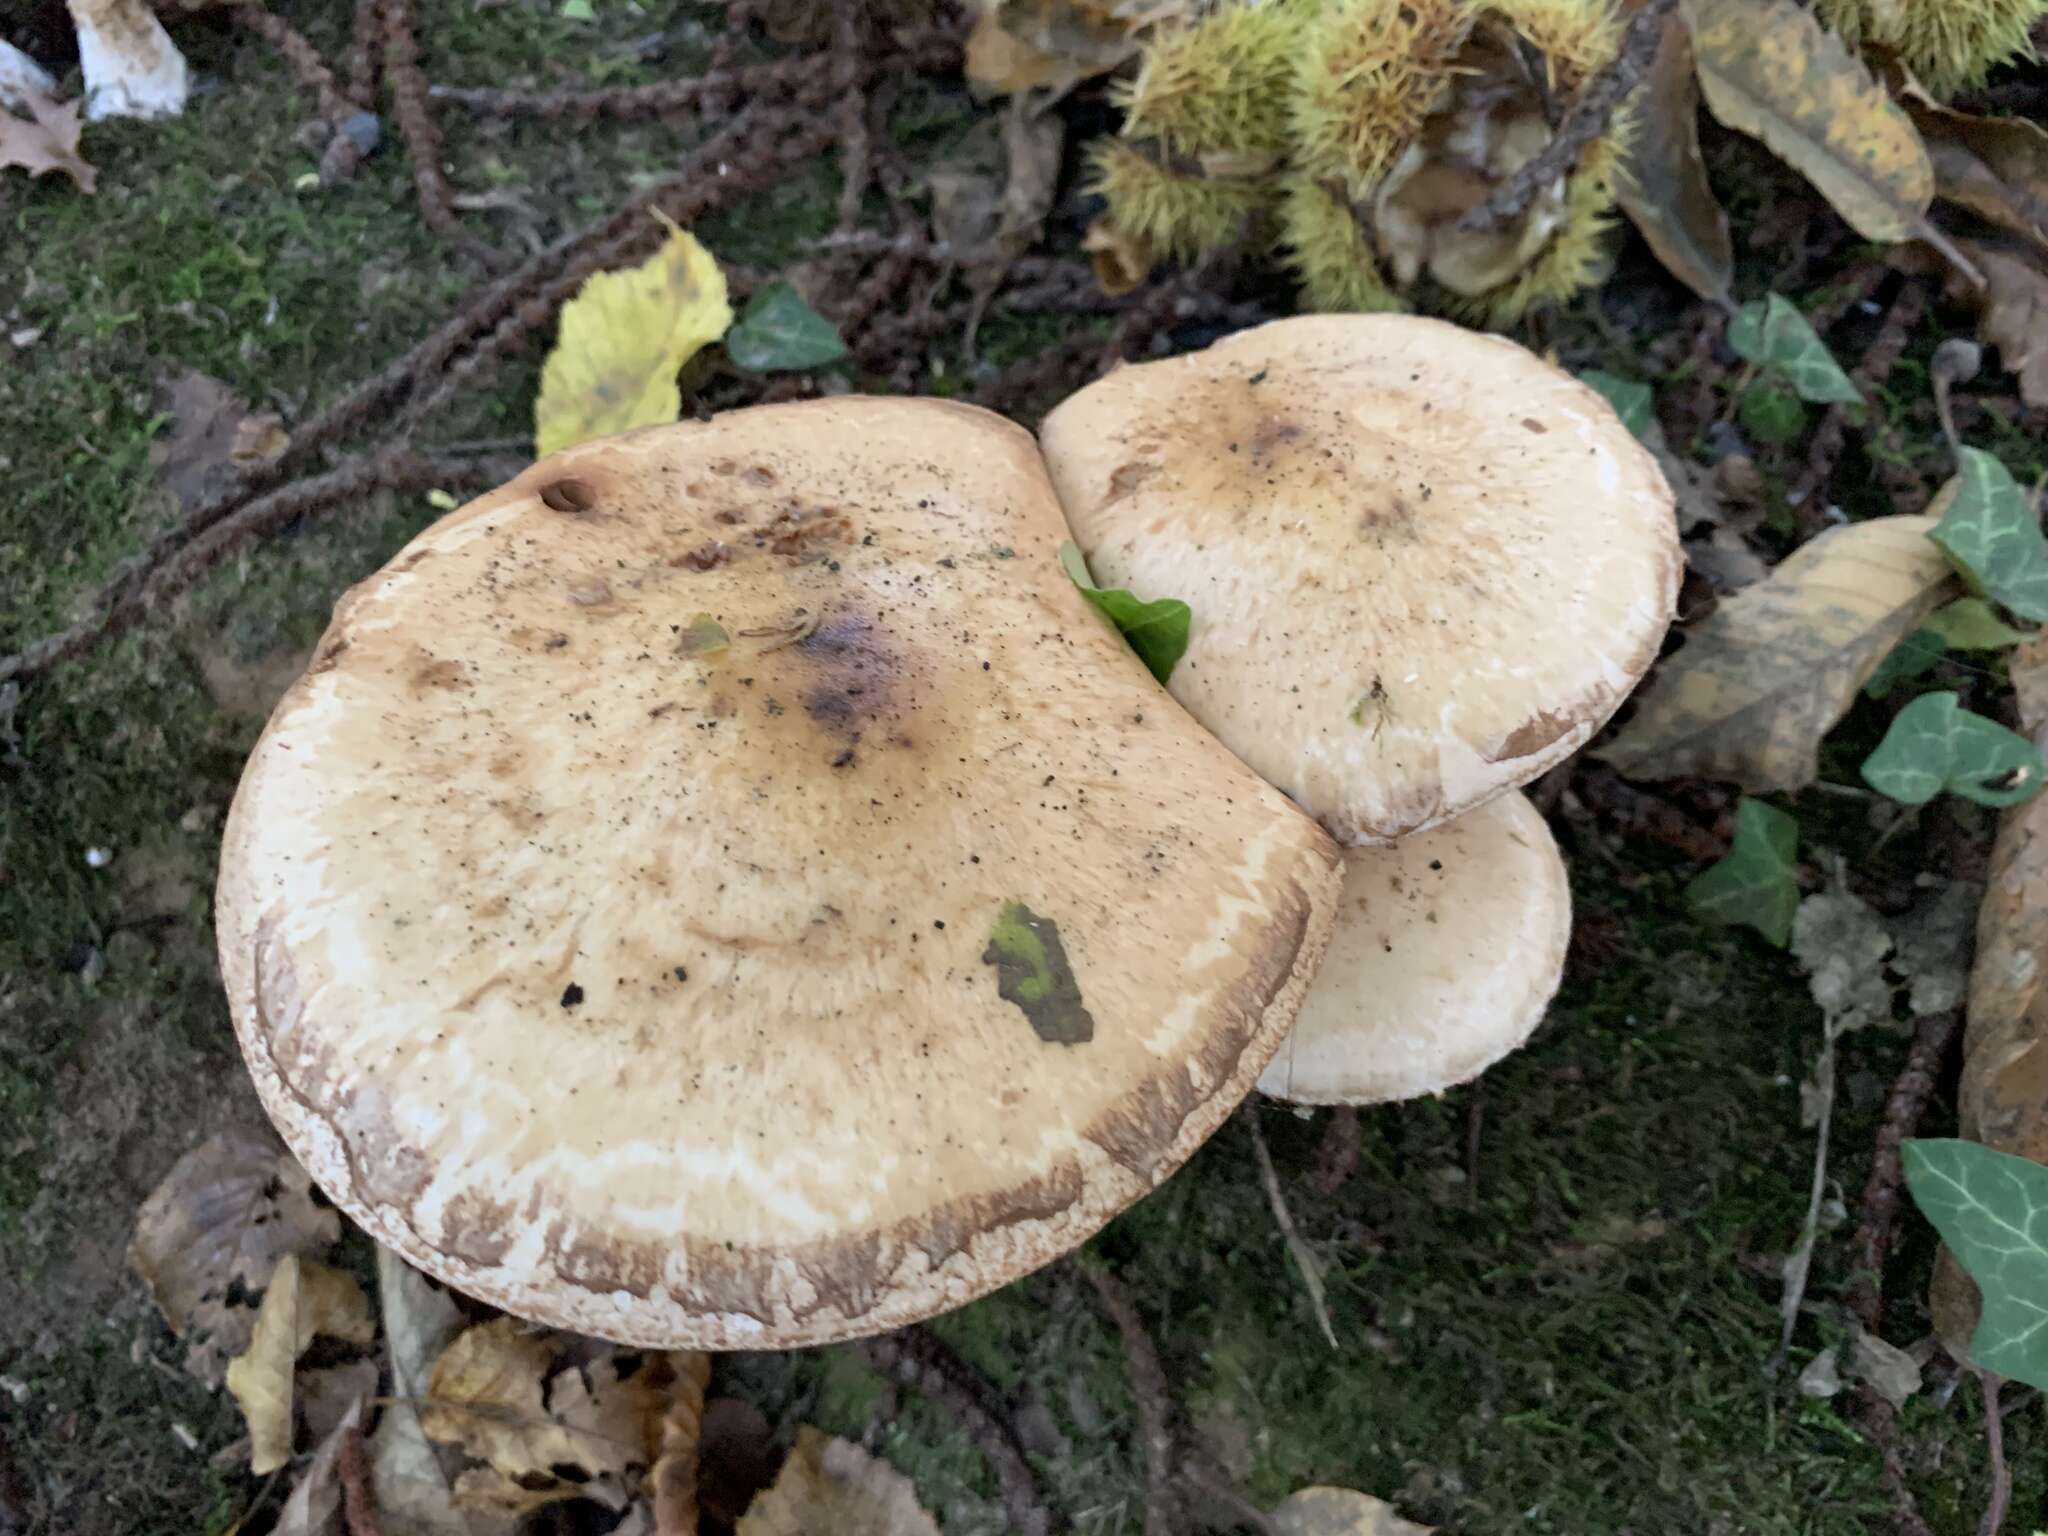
<point>2013,312</point>
<point>303,1299</point>
<point>314,1508</point>
<point>214,1230</point>
<point>1341,1512</point>
<point>413,1479</point>
<point>326,1395</point>
<point>832,1487</point>
<point>1769,69</point>
<point>1033,141</point>
<point>1663,188</point>
<point>2002,1099</point>
<point>1997,167</point>
<point>674,1477</point>
<point>258,440</point>
<point>1028,45</point>
<point>1770,671</point>
<point>46,140</point>
<point>495,1392</point>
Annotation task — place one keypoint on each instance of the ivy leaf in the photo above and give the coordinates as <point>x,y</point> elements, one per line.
<point>779,333</point>
<point>1936,744</point>
<point>1773,334</point>
<point>1910,658</point>
<point>1631,398</point>
<point>1157,631</point>
<point>1991,536</point>
<point>1969,624</point>
<point>1757,884</point>
<point>1991,1208</point>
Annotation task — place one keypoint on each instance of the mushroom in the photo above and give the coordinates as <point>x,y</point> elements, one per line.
<point>1425,566</point>
<point>22,79</point>
<point>1448,949</point>
<point>131,66</point>
<point>727,888</point>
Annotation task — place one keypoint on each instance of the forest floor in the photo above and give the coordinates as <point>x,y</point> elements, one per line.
<point>1554,1292</point>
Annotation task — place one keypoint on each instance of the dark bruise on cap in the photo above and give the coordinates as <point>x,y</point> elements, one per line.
<point>728,889</point>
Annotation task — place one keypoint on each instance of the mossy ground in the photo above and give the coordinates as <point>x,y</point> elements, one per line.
<point>1554,1294</point>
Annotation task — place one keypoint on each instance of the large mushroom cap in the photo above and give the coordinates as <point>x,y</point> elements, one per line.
<point>1449,946</point>
<point>1424,564</point>
<point>727,888</point>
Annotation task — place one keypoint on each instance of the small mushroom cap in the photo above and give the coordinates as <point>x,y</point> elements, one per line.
<point>728,888</point>
<point>1425,565</point>
<point>1448,949</point>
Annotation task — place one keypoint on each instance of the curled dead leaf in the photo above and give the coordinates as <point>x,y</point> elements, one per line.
<point>1771,670</point>
<point>1997,167</point>
<point>2002,1099</point>
<point>834,1486</point>
<point>1341,1512</point>
<point>315,1505</point>
<point>211,1234</point>
<point>1054,45</point>
<point>2013,311</point>
<point>1121,261</point>
<point>1663,187</point>
<point>303,1300</point>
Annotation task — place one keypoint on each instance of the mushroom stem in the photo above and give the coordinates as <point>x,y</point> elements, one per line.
<point>131,66</point>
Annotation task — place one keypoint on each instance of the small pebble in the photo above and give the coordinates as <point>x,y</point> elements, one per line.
<point>98,858</point>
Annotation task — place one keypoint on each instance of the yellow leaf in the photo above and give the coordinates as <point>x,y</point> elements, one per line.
<point>302,1300</point>
<point>623,339</point>
<point>834,1486</point>
<point>1341,1512</point>
<point>486,1395</point>
<point>1771,70</point>
<point>1766,676</point>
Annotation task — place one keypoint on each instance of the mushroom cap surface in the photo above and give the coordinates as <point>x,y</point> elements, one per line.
<point>1448,948</point>
<point>1424,565</point>
<point>727,888</point>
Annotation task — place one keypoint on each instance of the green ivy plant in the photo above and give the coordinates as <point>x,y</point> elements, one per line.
<point>1991,1208</point>
<point>1789,364</point>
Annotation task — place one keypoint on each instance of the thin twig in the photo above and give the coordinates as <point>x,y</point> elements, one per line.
<point>1584,122</point>
<point>1799,1262</point>
<point>416,120</point>
<point>1311,1268</point>
<point>917,1358</point>
<point>358,1505</point>
<point>1902,1110</point>
<point>1149,1390</point>
<point>1994,1440</point>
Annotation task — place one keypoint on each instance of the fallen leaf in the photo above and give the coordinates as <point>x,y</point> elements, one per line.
<point>46,140</point>
<point>1756,883</point>
<point>325,1395</point>
<point>1912,657</point>
<point>1842,944</point>
<point>1822,1377</point>
<point>213,1232</point>
<point>1991,534</point>
<point>496,1393</point>
<point>1997,167</point>
<point>1769,69</point>
<point>413,1479</point>
<point>833,1486</point>
<point>1932,939</point>
<point>195,460</point>
<point>1340,1512</point>
<point>1663,186</point>
<point>302,1301</point>
<point>622,341</point>
<point>314,1508</point>
<point>1632,399</point>
<point>2002,1099</point>
<point>1764,677</point>
<point>2012,311</point>
<point>780,333</point>
<point>674,1476</point>
<point>1987,1205</point>
<point>1157,630</point>
<point>1936,744</point>
<point>1888,1370</point>
<point>1026,45</point>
